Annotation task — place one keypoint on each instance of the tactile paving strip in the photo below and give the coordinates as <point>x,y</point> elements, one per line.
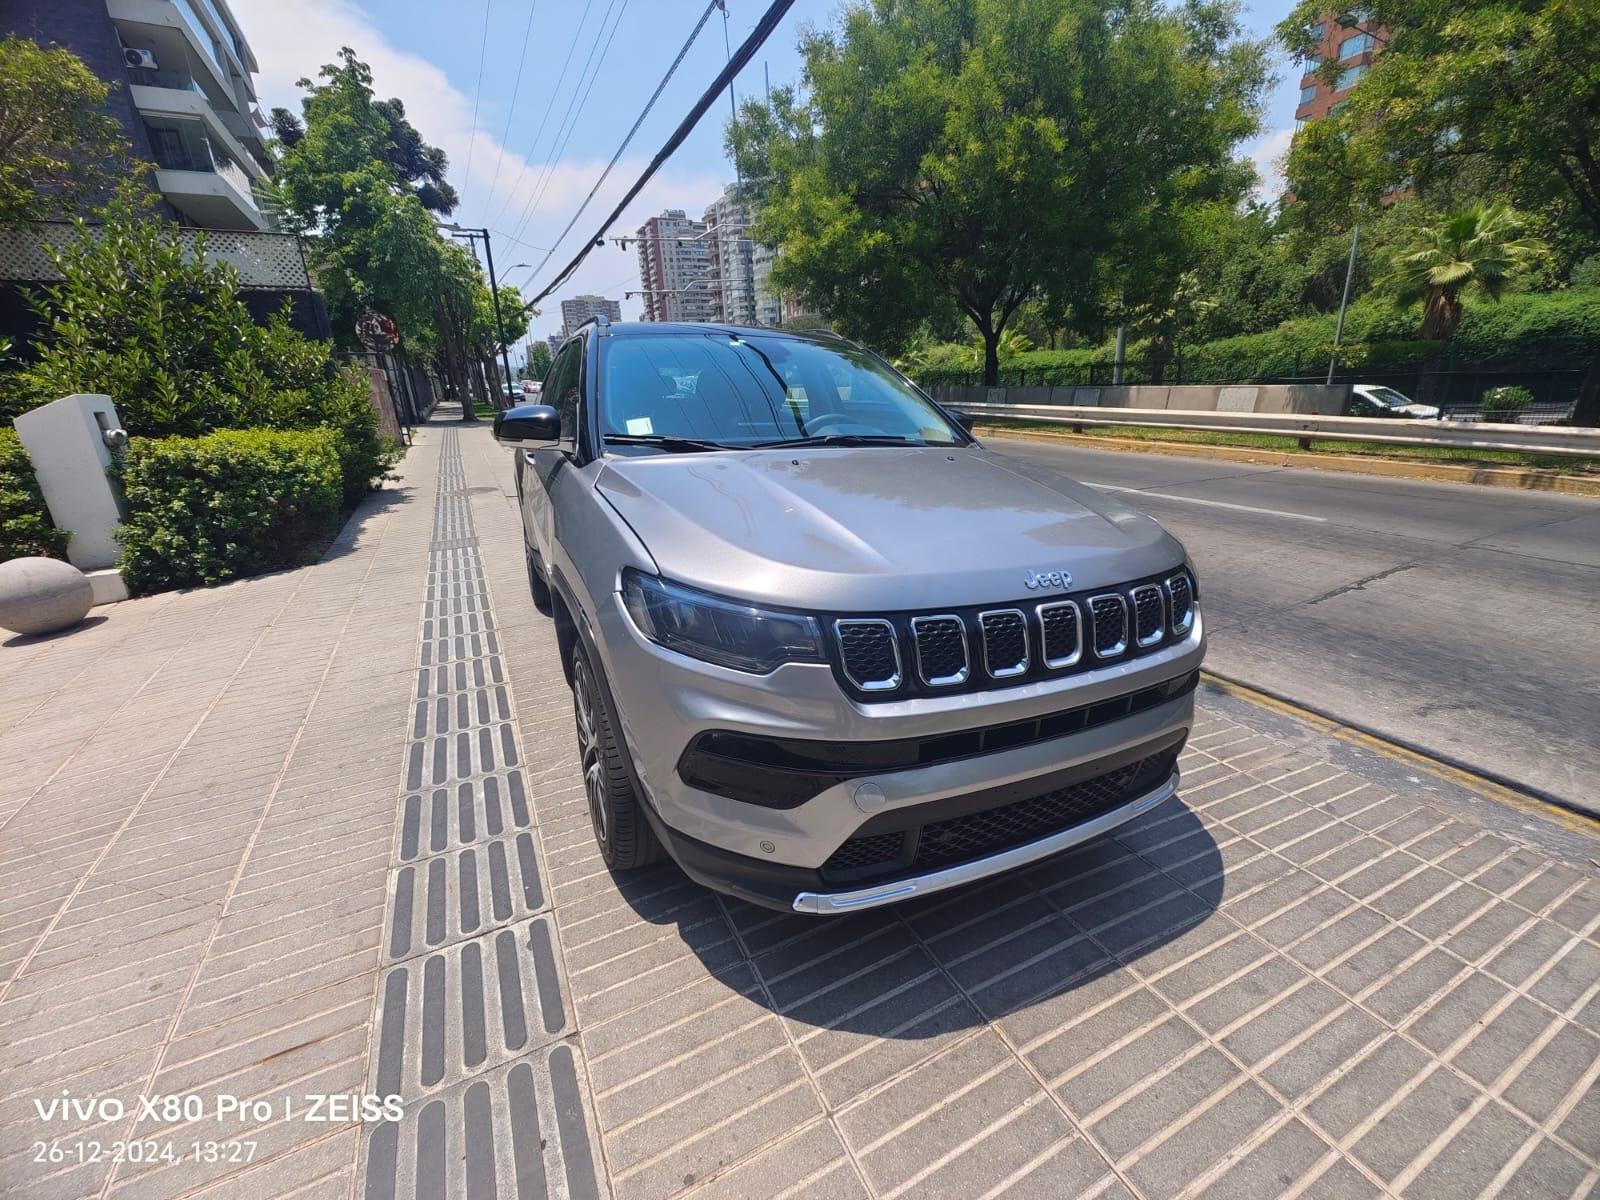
<point>473,1029</point>
<point>517,1132</point>
<point>460,894</point>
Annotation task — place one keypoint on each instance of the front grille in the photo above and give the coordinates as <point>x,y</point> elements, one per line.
<point>871,657</point>
<point>981,834</point>
<point>941,649</point>
<point>896,655</point>
<point>1005,642</point>
<point>1110,618</point>
<point>1149,615</point>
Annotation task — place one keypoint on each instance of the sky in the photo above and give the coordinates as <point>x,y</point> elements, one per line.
<point>531,98</point>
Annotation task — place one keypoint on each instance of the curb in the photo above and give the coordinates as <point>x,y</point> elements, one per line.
<point>1475,779</point>
<point>1524,478</point>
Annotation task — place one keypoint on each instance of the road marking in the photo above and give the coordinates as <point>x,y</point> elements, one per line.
<point>1271,512</point>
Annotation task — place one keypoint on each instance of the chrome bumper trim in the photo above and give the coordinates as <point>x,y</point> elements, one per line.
<point>982,868</point>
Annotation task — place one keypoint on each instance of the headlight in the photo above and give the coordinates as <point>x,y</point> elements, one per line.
<point>730,633</point>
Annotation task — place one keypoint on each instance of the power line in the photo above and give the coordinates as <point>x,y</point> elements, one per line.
<point>549,104</point>
<point>559,143</point>
<point>649,104</point>
<point>522,61</point>
<point>758,35</point>
<point>477,94</point>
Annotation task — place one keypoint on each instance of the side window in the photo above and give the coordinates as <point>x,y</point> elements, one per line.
<point>562,388</point>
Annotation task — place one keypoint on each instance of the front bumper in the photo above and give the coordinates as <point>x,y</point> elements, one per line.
<point>665,700</point>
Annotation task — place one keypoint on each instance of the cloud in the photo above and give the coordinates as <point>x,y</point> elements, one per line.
<point>1267,153</point>
<point>293,38</point>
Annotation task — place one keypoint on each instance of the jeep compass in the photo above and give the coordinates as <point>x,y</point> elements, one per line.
<point>826,650</point>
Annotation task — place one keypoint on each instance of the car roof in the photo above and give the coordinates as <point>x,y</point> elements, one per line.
<point>702,328</point>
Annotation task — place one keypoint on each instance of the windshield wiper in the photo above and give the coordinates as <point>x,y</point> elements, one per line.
<point>676,445</point>
<point>841,439</point>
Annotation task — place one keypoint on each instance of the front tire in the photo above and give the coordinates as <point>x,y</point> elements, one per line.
<point>538,585</point>
<point>623,834</point>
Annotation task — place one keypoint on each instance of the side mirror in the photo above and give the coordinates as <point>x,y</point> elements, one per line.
<point>528,427</point>
<point>962,419</point>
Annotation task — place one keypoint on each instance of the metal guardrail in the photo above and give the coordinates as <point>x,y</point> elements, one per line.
<point>1529,439</point>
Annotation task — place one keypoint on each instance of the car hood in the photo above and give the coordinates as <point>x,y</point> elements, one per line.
<point>877,528</point>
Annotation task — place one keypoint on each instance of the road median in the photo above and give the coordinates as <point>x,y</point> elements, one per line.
<point>1561,480</point>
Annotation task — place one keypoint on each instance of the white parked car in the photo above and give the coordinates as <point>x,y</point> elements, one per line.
<point>1375,400</point>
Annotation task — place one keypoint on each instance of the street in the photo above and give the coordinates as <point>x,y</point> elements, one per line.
<point>1452,618</point>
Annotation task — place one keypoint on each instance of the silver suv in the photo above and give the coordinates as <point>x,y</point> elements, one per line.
<point>826,651</point>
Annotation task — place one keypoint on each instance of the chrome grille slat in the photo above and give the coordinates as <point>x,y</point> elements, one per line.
<point>941,645</point>
<point>1060,634</point>
<point>1109,616</point>
<point>1180,601</point>
<point>1149,615</point>
<point>870,653</point>
<point>1005,642</point>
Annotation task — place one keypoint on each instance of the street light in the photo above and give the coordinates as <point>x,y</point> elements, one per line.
<point>472,235</point>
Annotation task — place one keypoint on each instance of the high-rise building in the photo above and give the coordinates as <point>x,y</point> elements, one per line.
<point>582,309</point>
<point>675,269</point>
<point>1352,45</point>
<point>182,91</point>
<point>727,222</point>
<point>768,304</point>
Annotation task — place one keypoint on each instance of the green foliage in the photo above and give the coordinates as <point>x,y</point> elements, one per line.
<point>1503,404</point>
<point>538,364</point>
<point>143,319</point>
<point>970,155</point>
<point>1554,328</point>
<point>1480,250</point>
<point>57,146</point>
<point>208,509</point>
<point>1586,273</point>
<point>25,528</point>
<point>1467,98</point>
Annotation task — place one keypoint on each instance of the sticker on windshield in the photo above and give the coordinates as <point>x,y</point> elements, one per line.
<point>640,427</point>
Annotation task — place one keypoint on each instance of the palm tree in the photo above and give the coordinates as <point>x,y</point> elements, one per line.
<point>1482,248</point>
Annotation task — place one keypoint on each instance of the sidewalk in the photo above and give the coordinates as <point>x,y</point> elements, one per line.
<point>322,832</point>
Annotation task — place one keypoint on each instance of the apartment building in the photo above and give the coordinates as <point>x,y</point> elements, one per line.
<point>183,93</point>
<point>675,272</point>
<point>727,223</point>
<point>1352,43</point>
<point>768,304</point>
<point>582,309</point>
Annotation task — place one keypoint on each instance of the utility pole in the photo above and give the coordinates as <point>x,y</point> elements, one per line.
<point>472,235</point>
<point>1344,303</point>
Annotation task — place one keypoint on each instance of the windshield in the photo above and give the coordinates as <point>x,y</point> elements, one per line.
<point>743,391</point>
<point>1387,396</point>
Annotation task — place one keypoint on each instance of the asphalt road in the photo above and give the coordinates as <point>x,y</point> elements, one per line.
<point>1462,620</point>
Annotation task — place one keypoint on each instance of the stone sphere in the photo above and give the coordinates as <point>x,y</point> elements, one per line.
<point>42,595</point>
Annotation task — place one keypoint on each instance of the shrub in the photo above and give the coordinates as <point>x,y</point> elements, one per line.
<point>1505,404</point>
<point>25,528</point>
<point>141,317</point>
<point>208,509</point>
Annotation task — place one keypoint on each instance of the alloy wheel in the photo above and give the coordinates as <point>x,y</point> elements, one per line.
<point>583,704</point>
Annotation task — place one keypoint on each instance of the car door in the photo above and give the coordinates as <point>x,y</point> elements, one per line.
<point>562,389</point>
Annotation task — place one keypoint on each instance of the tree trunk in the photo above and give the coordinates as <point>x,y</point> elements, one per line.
<point>991,357</point>
<point>1440,317</point>
<point>1587,411</point>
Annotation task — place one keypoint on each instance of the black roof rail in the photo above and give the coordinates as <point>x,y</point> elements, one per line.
<point>826,333</point>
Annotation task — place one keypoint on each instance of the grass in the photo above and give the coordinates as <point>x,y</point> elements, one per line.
<point>1279,443</point>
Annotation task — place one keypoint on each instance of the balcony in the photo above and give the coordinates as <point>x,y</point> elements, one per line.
<point>197,179</point>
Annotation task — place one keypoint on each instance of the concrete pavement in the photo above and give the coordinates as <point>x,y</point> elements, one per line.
<point>1444,616</point>
<point>323,832</point>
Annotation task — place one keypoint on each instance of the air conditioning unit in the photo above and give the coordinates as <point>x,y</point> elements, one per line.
<point>139,58</point>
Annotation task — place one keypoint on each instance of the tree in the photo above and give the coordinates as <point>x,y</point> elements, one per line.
<point>1481,249</point>
<point>57,146</point>
<point>538,363</point>
<point>1500,94</point>
<point>967,156</point>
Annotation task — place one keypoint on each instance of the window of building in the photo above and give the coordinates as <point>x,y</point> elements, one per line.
<point>1308,93</point>
<point>1349,77</point>
<point>1337,107</point>
<point>1358,44</point>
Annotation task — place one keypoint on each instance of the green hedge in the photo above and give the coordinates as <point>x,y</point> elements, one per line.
<point>25,528</point>
<point>208,509</point>
<point>1551,329</point>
